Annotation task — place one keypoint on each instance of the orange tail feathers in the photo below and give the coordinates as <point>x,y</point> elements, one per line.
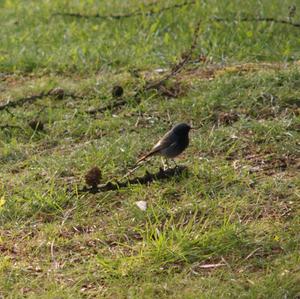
<point>144,157</point>
<point>138,164</point>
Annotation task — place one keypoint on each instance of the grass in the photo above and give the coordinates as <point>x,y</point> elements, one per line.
<point>227,227</point>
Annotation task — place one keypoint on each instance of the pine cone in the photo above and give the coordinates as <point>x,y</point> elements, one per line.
<point>93,177</point>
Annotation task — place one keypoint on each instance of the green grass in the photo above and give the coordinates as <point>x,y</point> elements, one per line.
<point>35,40</point>
<point>238,203</point>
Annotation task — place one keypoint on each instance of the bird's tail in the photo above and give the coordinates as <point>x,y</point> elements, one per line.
<point>143,158</point>
<point>138,163</point>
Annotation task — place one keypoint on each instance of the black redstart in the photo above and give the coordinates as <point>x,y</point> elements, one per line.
<point>172,144</point>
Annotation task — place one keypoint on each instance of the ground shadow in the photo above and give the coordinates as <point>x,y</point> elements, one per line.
<point>146,179</point>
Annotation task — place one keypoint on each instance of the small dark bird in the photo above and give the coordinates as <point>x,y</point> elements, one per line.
<point>117,91</point>
<point>172,144</point>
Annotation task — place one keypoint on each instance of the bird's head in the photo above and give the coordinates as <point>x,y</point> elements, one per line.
<point>181,129</point>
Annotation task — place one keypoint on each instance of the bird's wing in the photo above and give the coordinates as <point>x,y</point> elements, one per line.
<point>163,143</point>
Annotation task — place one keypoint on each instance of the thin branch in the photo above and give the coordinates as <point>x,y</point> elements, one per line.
<point>110,106</point>
<point>33,98</point>
<point>128,15</point>
<point>55,264</point>
<point>251,253</point>
<point>259,19</point>
<point>175,69</point>
<point>186,57</point>
<point>21,101</point>
<point>7,126</point>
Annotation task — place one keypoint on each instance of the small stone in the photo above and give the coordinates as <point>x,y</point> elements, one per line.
<point>142,205</point>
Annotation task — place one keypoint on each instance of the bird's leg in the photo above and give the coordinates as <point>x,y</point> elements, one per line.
<point>165,163</point>
<point>175,163</point>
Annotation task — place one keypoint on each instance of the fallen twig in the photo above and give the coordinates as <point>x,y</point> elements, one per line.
<point>110,106</point>
<point>21,101</point>
<point>211,266</point>
<point>7,126</point>
<point>251,253</point>
<point>175,69</point>
<point>55,264</point>
<point>32,98</point>
<point>186,57</point>
<point>128,15</point>
<point>258,19</point>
